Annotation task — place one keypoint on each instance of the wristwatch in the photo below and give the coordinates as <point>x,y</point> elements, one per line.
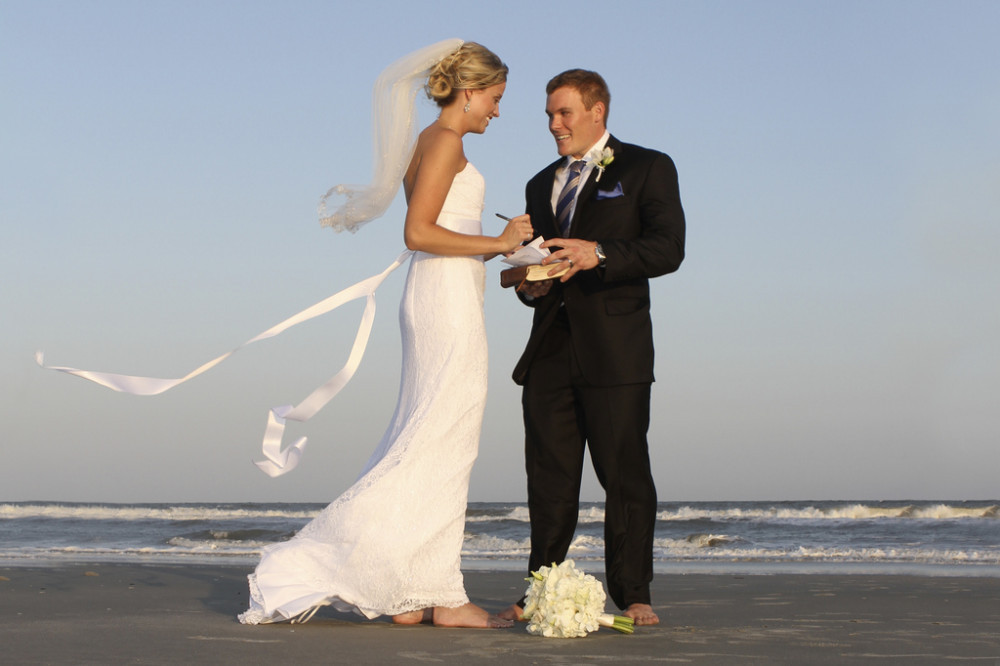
<point>601,257</point>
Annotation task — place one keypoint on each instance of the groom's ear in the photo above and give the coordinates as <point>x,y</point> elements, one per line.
<point>599,111</point>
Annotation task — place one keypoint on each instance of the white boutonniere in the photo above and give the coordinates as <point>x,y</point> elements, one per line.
<point>600,162</point>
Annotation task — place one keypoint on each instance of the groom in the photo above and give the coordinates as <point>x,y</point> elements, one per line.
<point>613,212</point>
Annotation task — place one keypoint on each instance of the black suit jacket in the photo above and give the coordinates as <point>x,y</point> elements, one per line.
<point>635,213</point>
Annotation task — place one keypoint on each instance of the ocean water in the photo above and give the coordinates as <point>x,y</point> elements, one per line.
<point>941,537</point>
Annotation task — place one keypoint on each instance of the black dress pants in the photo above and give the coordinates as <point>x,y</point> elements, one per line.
<point>563,416</point>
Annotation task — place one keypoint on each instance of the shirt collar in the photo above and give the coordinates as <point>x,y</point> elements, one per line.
<point>594,152</point>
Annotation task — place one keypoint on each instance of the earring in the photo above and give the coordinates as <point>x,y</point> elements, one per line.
<point>466,106</point>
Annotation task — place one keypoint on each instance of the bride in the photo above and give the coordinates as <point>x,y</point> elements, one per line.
<point>391,544</point>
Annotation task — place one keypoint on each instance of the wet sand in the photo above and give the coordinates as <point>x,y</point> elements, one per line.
<point>165,614</point>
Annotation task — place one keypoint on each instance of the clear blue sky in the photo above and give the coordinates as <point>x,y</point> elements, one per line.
<point>833,333</point>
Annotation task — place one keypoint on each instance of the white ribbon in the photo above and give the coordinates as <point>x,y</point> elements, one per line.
<point>278,461</point>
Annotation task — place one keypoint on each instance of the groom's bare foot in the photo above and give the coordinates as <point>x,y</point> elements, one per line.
<point>414,617</point>
<point>512,612</point>
<point>469,615</point>
<point>642,614</point>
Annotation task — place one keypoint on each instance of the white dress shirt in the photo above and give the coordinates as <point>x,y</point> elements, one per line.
<point>562,173</point>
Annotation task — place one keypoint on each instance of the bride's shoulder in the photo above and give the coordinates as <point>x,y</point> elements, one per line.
<point>440,146</point>
<point>435,137</point>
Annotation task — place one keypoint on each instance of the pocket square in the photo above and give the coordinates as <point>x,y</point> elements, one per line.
<point>611,194</point>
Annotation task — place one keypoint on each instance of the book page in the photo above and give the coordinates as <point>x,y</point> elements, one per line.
<point>528,254</point>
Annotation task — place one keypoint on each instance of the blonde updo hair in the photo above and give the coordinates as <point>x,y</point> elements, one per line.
<point>471,67</point>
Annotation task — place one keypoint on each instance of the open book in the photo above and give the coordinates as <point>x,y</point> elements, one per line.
<point>515,277</point>
<point>527,266</point>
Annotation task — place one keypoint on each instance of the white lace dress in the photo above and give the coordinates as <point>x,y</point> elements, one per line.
<point>392,542</point>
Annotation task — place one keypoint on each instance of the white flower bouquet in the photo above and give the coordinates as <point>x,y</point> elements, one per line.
<point>564,602</point>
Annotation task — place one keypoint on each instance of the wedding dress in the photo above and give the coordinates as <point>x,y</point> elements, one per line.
<point>392,542</point>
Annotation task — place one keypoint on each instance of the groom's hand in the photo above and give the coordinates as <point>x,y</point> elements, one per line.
<point>535,289</point>
<point>579,253</point>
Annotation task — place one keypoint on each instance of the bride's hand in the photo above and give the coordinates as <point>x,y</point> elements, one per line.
<point>517,231</point>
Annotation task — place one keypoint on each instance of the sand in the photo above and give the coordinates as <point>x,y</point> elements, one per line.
<point>160,614</point>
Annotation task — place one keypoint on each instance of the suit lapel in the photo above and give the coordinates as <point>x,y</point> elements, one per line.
<point>547,224</point>
<point>587,193</point>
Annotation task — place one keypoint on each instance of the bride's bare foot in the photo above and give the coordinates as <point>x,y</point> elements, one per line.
<point>512,612</point>
<point>414,617</point>
<point>642,614</point>
<point>469,615</point>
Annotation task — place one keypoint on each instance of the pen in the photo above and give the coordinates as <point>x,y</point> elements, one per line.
<point>503,217</point>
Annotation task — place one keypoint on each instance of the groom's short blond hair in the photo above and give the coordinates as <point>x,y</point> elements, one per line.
<point>590,85</point>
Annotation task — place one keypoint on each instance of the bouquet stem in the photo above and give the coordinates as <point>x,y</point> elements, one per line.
<point>626,625</point>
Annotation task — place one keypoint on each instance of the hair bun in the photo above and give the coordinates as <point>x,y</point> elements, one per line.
<point>471,67</point>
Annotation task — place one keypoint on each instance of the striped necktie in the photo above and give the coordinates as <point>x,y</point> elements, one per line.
<point>567,196</point>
